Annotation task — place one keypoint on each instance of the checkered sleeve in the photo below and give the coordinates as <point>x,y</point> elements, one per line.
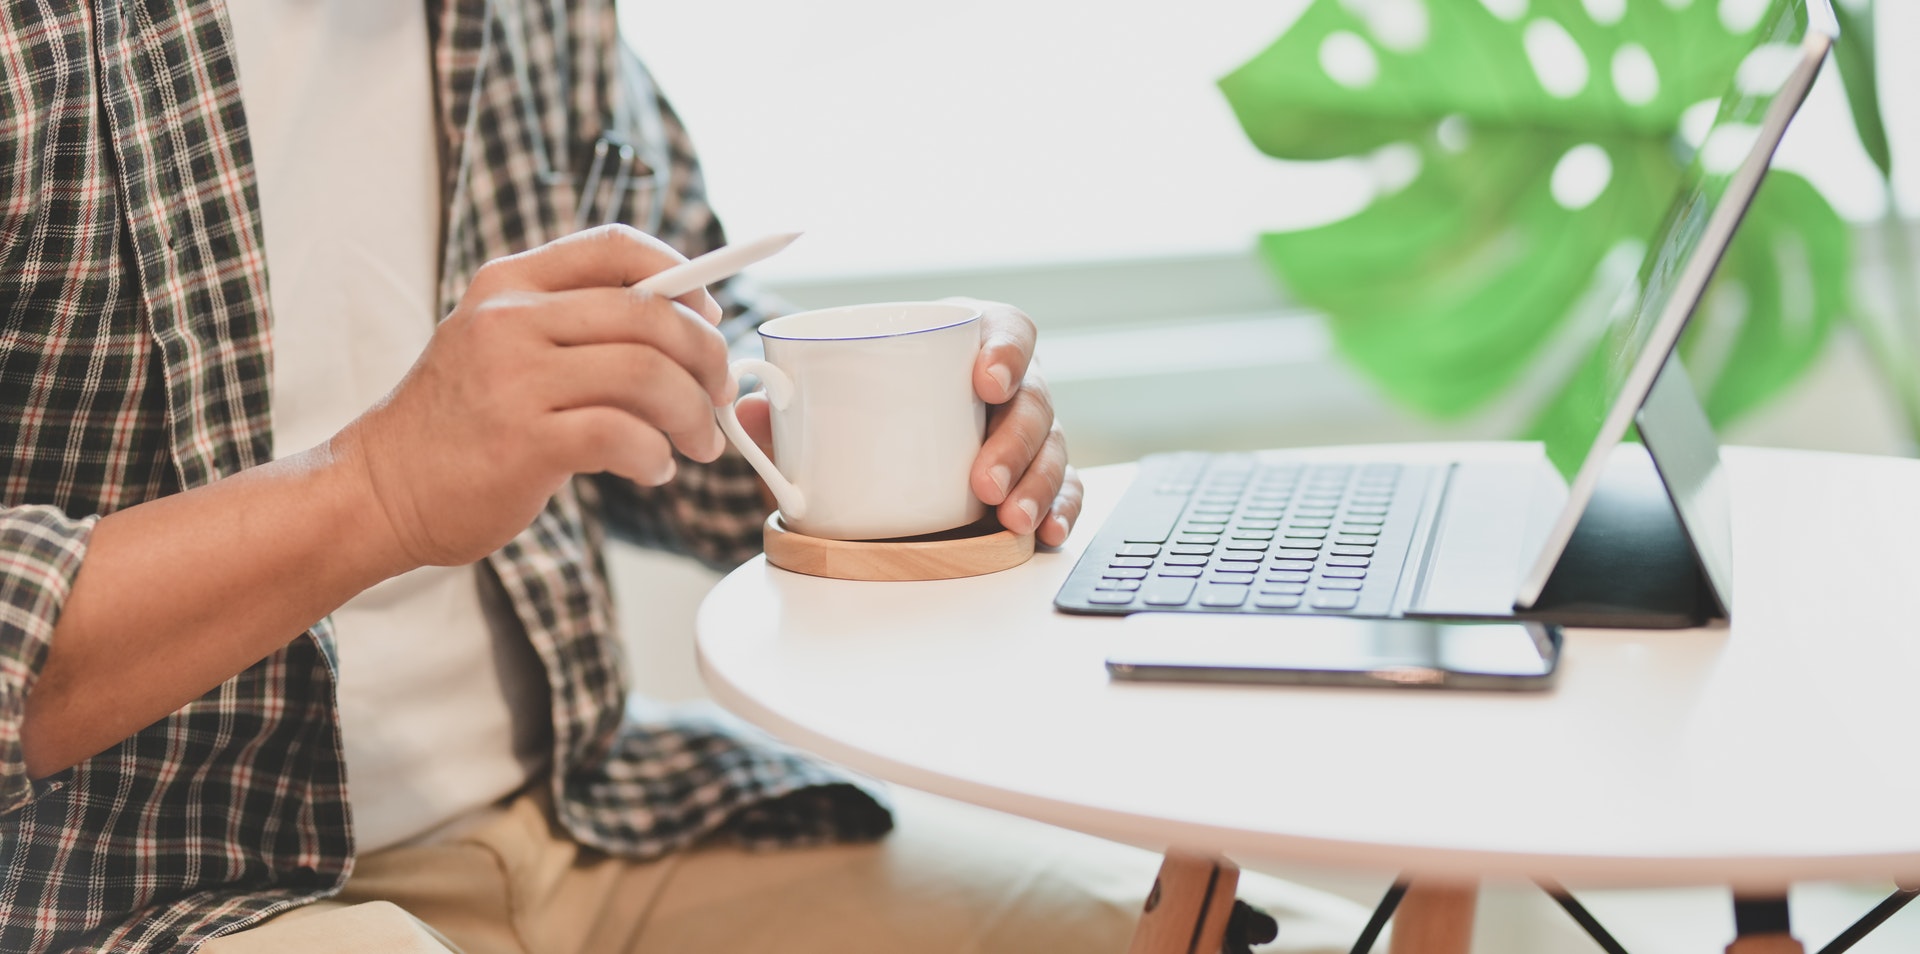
<point>40,553</point>
<point>713,511</point>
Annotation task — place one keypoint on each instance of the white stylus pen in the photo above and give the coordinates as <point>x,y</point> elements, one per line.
<point>723,262</point>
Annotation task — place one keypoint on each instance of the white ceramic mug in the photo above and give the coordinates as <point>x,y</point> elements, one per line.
<point>875,421</point>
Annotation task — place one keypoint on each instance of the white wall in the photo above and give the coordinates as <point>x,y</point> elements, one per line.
<point>917,136</point>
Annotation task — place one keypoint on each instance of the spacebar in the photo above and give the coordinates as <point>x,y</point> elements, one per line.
<point>1149,519</point>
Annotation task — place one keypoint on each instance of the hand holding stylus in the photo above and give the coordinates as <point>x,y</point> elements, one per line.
<point>595,352</point>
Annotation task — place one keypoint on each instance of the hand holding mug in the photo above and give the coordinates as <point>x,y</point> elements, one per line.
<point>1019,467</point>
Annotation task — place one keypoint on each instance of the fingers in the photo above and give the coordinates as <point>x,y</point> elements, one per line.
<point>1006,349</point>
<point>756,418</point>
<point>590,440</point>
<point>1023,461</point>
<point>596,316</point>
<point>612,256</point>
<point>1035,493</point>
<point>1059,521</point>
<point>641,381</point>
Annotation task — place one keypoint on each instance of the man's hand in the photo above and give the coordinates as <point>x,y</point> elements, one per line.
<point>1022,468</point>
<point>551,366</point>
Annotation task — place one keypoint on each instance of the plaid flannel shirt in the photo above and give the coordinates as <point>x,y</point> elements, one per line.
<point>134,355</point>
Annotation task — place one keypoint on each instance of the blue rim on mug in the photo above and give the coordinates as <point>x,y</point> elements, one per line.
<point>973,314</point>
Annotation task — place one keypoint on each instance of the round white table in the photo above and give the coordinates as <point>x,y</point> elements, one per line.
<point>1774,750</point>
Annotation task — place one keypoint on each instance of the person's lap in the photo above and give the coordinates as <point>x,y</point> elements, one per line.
<point>951,878</point>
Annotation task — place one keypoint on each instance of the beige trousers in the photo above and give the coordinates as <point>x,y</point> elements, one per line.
<point>950,879</point>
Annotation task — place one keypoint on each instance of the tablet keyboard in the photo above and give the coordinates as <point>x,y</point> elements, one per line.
<point>1230,533</point>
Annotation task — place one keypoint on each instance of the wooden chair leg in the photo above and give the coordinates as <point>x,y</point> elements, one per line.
<point>1435,917</point>
<point>1187,911</point>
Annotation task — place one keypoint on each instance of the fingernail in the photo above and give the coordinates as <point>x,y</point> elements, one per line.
<point>1003,376</point>
<point>1031,509</point>
<point>1061,524</point>
<point>1001,476</point>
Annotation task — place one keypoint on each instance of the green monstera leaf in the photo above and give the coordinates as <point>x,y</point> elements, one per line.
<point>1526,151</point>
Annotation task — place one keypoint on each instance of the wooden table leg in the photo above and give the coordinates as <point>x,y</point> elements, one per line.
<point>1761,926</point>
<point>1435,917</point>
<point>1766,944</point>
<point>1187,911</point>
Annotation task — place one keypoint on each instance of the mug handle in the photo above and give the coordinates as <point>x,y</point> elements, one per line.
<point>793,504</point>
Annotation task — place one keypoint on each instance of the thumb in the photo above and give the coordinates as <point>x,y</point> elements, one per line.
<point>756,418</point>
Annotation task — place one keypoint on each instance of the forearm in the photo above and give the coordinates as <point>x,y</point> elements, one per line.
<point>179,594</point>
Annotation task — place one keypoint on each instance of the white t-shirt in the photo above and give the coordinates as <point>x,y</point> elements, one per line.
<point>442,702</point>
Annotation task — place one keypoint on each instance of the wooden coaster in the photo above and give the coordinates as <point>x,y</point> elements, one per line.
<point>968,551</point>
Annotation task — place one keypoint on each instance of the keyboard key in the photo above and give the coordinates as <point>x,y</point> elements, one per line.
<point>1131,563</point>
<point>1217,519</point>
<point>1276,601</point>
<point>1310,523</point>
<point>1303,534</point>
<point>1315,511</point>
<point>1283,589</point>
<point>1367,510</point>
<point>1352,550</point>
<point>1139,550</point>
<point>1223,596</point>
<point>1335,601</point>
<point>1162,591</point>
<point>1211,509</point>
<point>1301,543</point>
<point>1342,560</point>
<point>1184,559</point>
<point>1231,578</point>
<point>1344,573</point>
<point>1260,535</point>
<point>1150,519</point>
<point>1110,597</point>
<point>1197,541</point>
<point>1241,556</point>
<point>1293,564</point>
<point>1287,576</point>
<point>1193,549</point>
<point>1178,571</point>
<point>1354,538</point>
<point>1257,524</point>
<point>1123,574</point>
<point>1128,585</point>
<point>1362,521</point>
<point>1342,584</point>
<point>1257,546</point>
